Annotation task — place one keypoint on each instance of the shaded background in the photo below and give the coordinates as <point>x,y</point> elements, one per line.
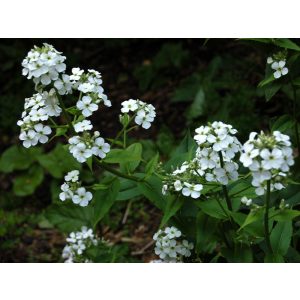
<point>189,81</point>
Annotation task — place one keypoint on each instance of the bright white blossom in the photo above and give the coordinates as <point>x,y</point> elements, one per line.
<point>72,189</point>
<point>87,106</point>
<point>268,158</point>
<point>77,244</point>
<point>144,113</point>
<point>279,68</point>
<point>43,64</point>
<point>246,201</point>
<point>83,147</point>
<point>169,247</point>
<point>84,125</point>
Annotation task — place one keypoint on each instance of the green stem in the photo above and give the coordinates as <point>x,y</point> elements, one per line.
<point>116,172</point>
<point>224,187</point>
<point>65,113</point>
<point>266,219</point>
<point>295,117</point>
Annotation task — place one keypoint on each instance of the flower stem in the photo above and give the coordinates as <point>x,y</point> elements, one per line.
<point>116,172</point>
<point>266,219</point>
<point>224,187</point>
<point>65,113</point>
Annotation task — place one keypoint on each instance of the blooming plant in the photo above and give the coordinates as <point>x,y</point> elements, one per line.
<point>221,198</point>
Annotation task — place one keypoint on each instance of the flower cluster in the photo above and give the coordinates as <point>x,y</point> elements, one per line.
<point>278,63</point>
<point>268,157</point>
<point>144,113</point>
<point>77,243</point>
<point>72,189</point>
<point>185,180</point>
<point>217,147</point>
<point>84,146</point>
<point>43,64</point>
<point>169,247</point>
<point>89,84</point>
<point>246,201</point>
<point>38,108</point>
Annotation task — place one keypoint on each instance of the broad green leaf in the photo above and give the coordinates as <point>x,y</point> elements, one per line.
<point>117,156</point>
<point>284,215</point>
<point>172,206</point>
<point>274,258</point>
<point>151,165</point>
<point>69,217</point>
<point>61,131</point>
<point>287,44</point>
<point>27,183</point>
<point>183,152</point>
<point>128,190</point>
<point>151,189</point>
<point>266,81</point>
<point>58,162</point>
<point>104,200</point>
<point>253,216</point>
<point>281,237</point>
<point>283,123</point>
<point>205,233</point>
<point>136,151</point>
<point>214,208</point>
<point>197,107</point>
<point>271,90</point>
<point>18,158</point>
<point>240,254</point>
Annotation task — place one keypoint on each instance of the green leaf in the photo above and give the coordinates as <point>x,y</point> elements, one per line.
<point>205,233</point>
<point>68,217</point>
<point>118,156</point>
<point>274,258</point>
<point>197,107</point>
<point>287,44</point>
<point>254,216</point>
<point>128,190</point>
<point>89,163</point>
<point>61,131</point>
<point>281,237</point>
<point>185,151</point>
<point>27,183</point>
<point>240,254</point>
<point>104,199</point>
<point>58,162</point>
<point>173,205</point>
<point>151,165</point>
<point>266,81</point>
<point>214,208</point>
<point>271,90</point>
<point>134,150</point>
<point>151,189</point>
<point>284,215</point>
<point>99,186</point>
<point>18,158</point>
<point>283,123</point>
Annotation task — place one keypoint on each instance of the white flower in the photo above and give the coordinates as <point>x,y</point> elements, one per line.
<point>66,192</point>
<point>84,125</point>
<point>86,106</point>
<point>164,189</point>
<point>63,85</point>
<point>271,160</point>
<point>177,185</point>
<point>144,119</point>
<point>192,190</point>
<point>82,197</point>
<point>100,148</point>
<point>86,87</point>
<point>279,68</point>
<point>246,201</point>
<point>76,74</point>
<point>29,138</point>
<point>42,132</point>
<point>172,232</point>
<point>270,60</point>
<point>72,176</point>
<point>129,105</point>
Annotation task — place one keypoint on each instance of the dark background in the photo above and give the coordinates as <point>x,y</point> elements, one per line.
<point>189,81</point>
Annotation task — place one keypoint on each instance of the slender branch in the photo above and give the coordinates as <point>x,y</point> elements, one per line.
<point>65,113</point>
<point>224,187</point>
<point>116,172</point>
<point>266,219</point>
